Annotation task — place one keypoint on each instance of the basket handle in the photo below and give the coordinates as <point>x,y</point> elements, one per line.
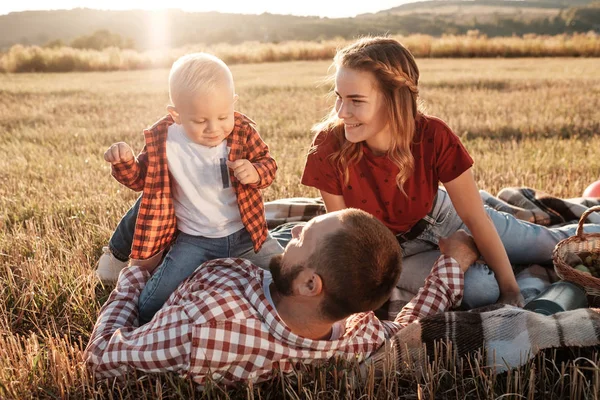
<point>587,212</point>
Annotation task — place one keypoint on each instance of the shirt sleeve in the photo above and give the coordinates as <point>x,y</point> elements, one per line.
<point>117,345</point>
<point>319,171</point>
<point>259,156</point>
<point>452,157</point>
<point>132,173</point>
<point>443,289</point>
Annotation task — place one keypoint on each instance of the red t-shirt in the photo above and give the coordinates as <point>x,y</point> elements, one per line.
<point>439,157</point>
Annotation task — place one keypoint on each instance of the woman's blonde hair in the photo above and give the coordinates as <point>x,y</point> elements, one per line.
<point>397,76</point>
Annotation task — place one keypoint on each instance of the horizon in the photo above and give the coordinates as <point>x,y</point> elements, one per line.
<point>326,10</point>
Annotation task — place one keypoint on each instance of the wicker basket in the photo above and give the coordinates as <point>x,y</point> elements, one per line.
<point>581,242</point>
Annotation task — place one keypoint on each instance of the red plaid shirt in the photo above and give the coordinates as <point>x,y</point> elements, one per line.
<point>156,225</point>
<point>219,324</point>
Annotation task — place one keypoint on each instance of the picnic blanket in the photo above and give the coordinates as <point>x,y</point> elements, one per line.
<point>505,335</point>
<point>524,203</point>
<point>541,208</point>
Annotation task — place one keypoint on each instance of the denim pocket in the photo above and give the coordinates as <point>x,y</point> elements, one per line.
<point>446,222</point>
<point>443,216</point>
<point>443,209</point>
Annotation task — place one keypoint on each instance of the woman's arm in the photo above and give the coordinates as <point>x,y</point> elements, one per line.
<point>469,207</point>
<point>333,202</point>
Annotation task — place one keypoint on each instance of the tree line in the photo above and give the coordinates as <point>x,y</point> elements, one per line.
<point>212,28</point>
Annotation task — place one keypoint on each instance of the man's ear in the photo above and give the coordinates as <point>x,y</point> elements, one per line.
<point>235,98</point>
<point>308,283</point>
<point>173,111</point>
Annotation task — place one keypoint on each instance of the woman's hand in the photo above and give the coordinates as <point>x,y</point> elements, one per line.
<point>469,207</point>
<point>512,297</point>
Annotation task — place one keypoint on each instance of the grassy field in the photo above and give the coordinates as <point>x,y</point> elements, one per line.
<point>526,122</point>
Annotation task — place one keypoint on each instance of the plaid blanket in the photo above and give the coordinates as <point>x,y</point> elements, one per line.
<point>539,207</point>
<point>504,336</point>
<point>294,209</point>
<point>510,334</point>
<point>524,203</point>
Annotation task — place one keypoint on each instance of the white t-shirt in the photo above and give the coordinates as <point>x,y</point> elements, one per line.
<point>337,330</point>
<point>204,200</point>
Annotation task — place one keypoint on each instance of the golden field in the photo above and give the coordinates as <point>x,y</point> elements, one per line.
<point>21,58</point>
<point>526,122</point>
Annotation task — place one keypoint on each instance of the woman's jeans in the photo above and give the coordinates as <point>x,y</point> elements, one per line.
<point>184,256</point>
<point>525,243</point>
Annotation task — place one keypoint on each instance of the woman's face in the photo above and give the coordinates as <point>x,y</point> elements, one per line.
<point>361,106</point>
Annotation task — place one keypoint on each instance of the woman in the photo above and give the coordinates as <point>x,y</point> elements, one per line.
<point>376,151</point>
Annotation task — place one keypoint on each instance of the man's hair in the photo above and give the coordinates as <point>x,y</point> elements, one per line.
<point>358,264</point>
<point>196,73</point>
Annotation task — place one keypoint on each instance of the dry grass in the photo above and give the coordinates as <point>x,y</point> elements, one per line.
<point>526,122</point>
<point>65,59</point>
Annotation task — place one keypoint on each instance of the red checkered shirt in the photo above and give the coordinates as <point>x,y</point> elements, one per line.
<point>219,324</point>
<point>156,224</point>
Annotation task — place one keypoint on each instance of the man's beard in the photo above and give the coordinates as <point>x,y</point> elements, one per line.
<point>283,280</point>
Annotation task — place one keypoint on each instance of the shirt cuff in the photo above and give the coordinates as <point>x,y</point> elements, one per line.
<point>449,272</point>
<point>123,166</point>
<point>132,276</point>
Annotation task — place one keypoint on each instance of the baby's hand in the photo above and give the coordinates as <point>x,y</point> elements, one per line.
<point>119,153</point>
<point>460,246</point>
<point>244,171</point>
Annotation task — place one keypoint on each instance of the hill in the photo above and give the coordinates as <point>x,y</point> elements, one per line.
<point>175,28</point>
<point>435,5</point>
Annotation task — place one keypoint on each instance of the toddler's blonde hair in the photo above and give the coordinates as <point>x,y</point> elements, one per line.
<point>197,73</point>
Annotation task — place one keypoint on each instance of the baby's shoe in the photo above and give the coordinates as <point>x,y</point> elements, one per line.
<point>109,266</point>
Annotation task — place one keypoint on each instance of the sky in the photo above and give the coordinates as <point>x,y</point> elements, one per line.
<point>328,8</point>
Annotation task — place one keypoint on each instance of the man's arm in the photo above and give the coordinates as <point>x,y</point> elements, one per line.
<point>443,289</point>
<point>117,345</point>
<point>259,156</point>
<point>445,284</point>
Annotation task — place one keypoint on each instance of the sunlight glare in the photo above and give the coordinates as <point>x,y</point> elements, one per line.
<point>158,30</point>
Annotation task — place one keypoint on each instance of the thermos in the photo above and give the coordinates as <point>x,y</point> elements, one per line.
<point>558,297</point>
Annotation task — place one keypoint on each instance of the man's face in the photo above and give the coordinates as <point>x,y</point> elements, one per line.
<point>305,241</point>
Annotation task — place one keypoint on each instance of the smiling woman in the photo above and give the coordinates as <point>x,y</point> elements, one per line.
<point>377,151</point>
